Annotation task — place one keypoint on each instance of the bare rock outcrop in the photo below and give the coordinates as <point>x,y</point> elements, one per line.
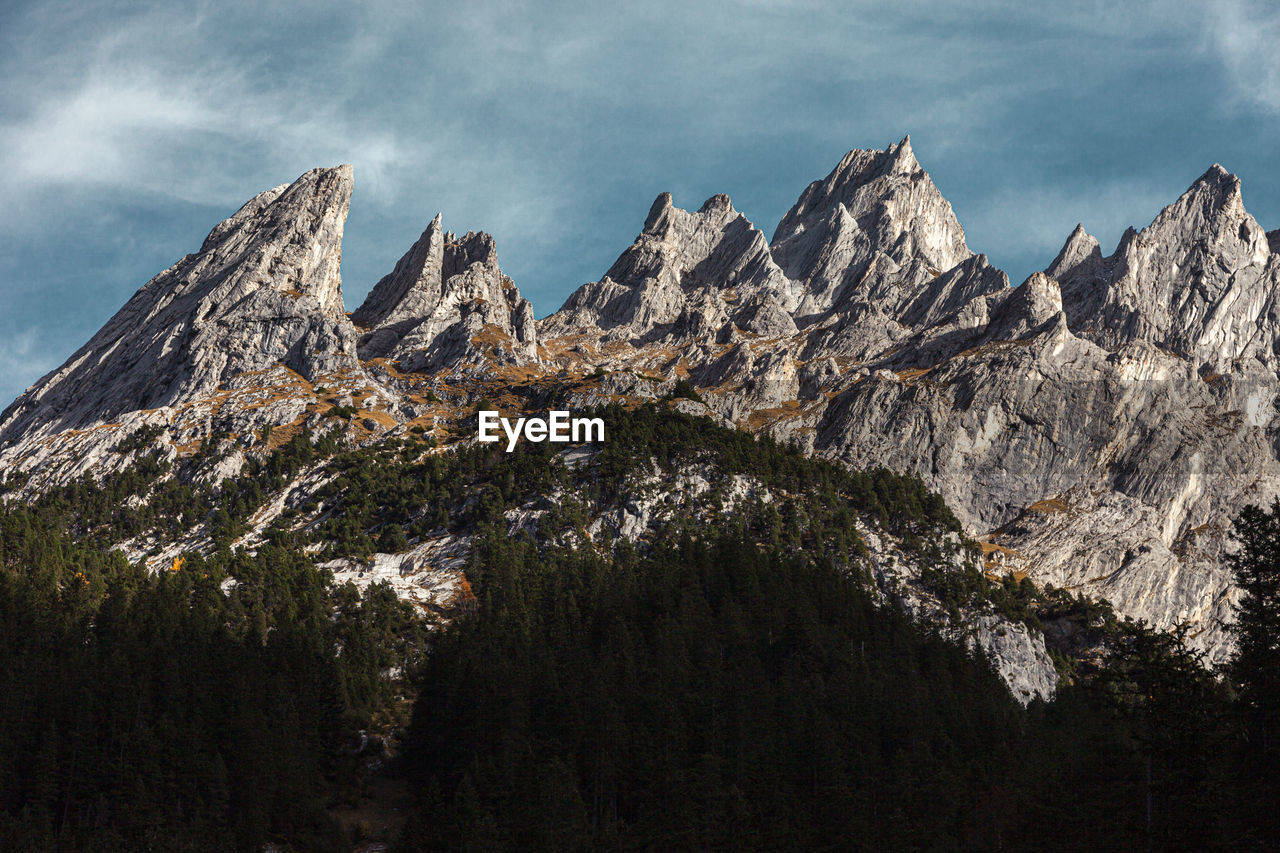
<point>1196,281</point>
<point>447,302</point>
<point>263,291</point>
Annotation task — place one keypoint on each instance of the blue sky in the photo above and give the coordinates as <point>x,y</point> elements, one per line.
<point>127,130</point>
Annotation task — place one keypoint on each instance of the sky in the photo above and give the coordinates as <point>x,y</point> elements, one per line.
<point>129,129</point>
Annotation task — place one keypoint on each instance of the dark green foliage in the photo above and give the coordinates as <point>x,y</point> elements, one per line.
<point>144,711</point>
<point>1255,667</point>
<point>142,498</point>
<point>734,683</point>
<point>716,694</point>
<point>395,484</point>
<point>683,389</point>
<point>711,694</point>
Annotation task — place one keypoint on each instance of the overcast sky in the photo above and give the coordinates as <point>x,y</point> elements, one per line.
<point>127,130</point>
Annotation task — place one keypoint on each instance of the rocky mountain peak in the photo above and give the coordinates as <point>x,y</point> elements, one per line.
<point>247,212</point>
<point>416,279</point>
<point>1081,247</point>
<point>1083,275</point>
<point>658,211</point>
<point>1213,209</point>
<point>676,241</point>
<point>446,297</point>
<point>1028,308</point>
<point>904,160</point>
<point>685,276</point>
<point>718,202</point>
<point>263,291</point>
<point>320,199</point>
<point>872,204</point>
<point>473,248</point>
<point>891,198</point>
<point>1195,280</point>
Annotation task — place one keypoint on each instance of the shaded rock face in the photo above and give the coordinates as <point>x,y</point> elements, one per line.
<point>447,302</point>
<point>263,290</point>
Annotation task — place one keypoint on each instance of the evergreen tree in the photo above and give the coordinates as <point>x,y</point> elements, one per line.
<point>1255,665</point>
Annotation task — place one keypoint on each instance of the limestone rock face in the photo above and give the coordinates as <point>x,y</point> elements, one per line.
<point>875,230</point>
<point>447,302</point>
<point>1197,280</point>
<point>689,277</point>
<point>412,289</point>
<point>263,290</point>
<point>1099,425</point>
<point>862,258</point>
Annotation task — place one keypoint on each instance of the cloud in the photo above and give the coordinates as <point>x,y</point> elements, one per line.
<point>22,354</point>
<point>1244,35</point>
<point>152,103</point>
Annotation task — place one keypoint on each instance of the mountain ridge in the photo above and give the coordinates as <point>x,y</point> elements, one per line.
<point>1096,427</point>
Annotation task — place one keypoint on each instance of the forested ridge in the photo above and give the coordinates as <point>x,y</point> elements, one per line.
<point>733,681</point>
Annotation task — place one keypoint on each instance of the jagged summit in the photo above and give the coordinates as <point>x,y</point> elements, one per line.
<point>689,276</point>
<point>855,171</point>
<point>1079,248</point>
<point>263,290</point>
<point>890,197</point>
<point>447,298</point>
<point>412,288</point>
<point>873,231</point>
<point>875,238</point>
<point>1197,280</point>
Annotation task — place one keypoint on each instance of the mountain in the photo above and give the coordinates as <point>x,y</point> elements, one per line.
<point>1096,428</point>
<point>852,559</point>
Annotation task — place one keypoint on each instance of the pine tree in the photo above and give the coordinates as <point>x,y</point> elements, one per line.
<point>1255,666</point>
<point>1254,669</point>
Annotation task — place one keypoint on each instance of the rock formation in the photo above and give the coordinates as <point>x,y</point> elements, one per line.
<point>688,278</point>
<point>1097,427</point>
<point>264,290</point>
<point>447,302</point>
<point>1197,281</point>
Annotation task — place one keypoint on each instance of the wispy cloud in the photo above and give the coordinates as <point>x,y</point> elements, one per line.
<point>22,354</point>
<point>160,103</point>
<point>1244,35</point>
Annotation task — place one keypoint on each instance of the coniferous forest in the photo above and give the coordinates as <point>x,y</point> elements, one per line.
<point>735,683</point>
